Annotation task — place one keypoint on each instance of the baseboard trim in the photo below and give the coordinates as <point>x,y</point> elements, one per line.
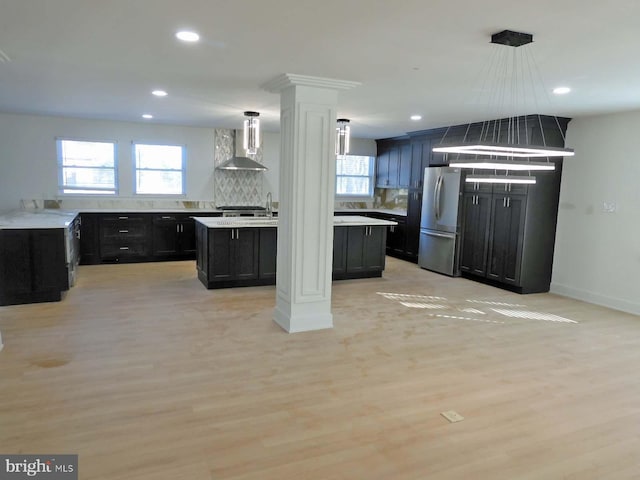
<point>595,298</point>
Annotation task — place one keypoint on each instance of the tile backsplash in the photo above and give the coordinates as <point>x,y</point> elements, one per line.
<point>391,198</point>
<point>235,187</point>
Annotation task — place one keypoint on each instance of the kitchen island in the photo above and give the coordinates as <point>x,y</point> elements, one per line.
<point>38,255</point>
<point>241,251</point>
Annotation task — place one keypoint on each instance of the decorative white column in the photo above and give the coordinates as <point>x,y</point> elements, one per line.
<point>305,212</point>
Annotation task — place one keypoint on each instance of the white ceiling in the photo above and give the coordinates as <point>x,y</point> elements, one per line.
<point>102,58</point>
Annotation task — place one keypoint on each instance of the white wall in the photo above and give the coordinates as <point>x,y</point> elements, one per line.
<point>597,253</point>
<point>28,161</point>
<point>28,158</point>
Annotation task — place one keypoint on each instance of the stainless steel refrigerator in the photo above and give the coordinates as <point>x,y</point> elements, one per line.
<point>440,221</point>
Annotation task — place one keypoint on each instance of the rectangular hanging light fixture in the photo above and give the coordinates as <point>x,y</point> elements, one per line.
<point>507,139</point>
<point>500,179</point>
<point>343,133</point>
<point>505,150</point>
<point>496,164</point>
<point>251,138</point>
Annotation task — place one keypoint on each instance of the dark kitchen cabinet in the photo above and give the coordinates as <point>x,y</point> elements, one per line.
<point>125,237</point>
<point>174,236</point>
<point>230,257</point>
<point>366,247</point>
<point>393,165</point>
<point>475,232</point>
<point>339,251</point>
<point>508,233</point>
<point>382,166</point>
<point>267,255</point>
<point>414,213</point>
<point>136,237</point>
<point>234,253</point>
<point>33,266</point>
<point>404,165</point>
<point>89,238</point>
<point>506,237</point>
<point>537,130</point>
<point>397,237</point>
<point>420,155</point>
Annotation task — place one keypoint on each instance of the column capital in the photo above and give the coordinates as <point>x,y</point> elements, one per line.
<point>286,80</point>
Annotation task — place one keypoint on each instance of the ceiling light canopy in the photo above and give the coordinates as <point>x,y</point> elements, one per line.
<point>187,36</point>
<point>251,138</point>
<point>416,117</point>
<point>343,136</point>
<point>159,93</point>
<point>147,116</point>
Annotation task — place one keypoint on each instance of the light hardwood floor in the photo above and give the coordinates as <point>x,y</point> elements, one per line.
<point>147,375</point>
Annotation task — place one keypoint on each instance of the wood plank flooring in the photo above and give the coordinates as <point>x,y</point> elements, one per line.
<point>147,375</point>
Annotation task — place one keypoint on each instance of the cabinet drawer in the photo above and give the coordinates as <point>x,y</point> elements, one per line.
<point>123,249</point>
<point>126,218</point>
<point>167,218</point>
<point>122,230</point>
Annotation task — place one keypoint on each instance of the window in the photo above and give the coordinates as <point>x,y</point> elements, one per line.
<point>159,169</point>
<point>354,176</point>
<point>86,167</point>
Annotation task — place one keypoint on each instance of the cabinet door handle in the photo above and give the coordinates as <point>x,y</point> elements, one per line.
<point>166,218</point>
<point>504,202</point>
<point>508,202</point>
<point>124,248</point>
<point>123,231</point>
<point>233,232</point>
<point>123,218</point>
<point>177,228</point>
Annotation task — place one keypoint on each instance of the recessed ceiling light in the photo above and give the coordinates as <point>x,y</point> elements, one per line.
<point>147,116</point>
<point>561,90</point>
<point>187,36</point>
<point>159,93</point>
<point>416,117</point>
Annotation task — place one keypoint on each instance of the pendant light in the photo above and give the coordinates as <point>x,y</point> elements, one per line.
<point>251,139</point>
<point>343,132</point>
<point>504,144</point>
<point>526,179</point>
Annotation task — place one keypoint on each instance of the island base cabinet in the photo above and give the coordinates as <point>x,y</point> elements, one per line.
<point>243,257</point>
<point>231,257</point>
<point>33,266</point>
<point>364,251</point>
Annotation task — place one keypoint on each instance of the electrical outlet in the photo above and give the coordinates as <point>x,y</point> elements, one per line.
<point>452,416</point>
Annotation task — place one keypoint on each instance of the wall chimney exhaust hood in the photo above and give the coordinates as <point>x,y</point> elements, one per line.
<point>241,163</point>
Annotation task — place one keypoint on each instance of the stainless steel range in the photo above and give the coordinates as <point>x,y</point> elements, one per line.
<point>243,211</point>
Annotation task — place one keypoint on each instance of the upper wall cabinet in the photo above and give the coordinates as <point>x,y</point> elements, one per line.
<point>393,164</point>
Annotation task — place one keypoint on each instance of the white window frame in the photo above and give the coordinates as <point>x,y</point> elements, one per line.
<point>371,176</point>
<point>183,169</point>
<point>83,191</point>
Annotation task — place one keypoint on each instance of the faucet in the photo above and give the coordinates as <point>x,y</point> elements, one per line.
<point>269,205</point>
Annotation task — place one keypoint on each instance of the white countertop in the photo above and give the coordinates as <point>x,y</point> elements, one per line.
<point>23,219</point>
<point>388,211</point>
<point>257,222</point>
<point>54,218</point>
